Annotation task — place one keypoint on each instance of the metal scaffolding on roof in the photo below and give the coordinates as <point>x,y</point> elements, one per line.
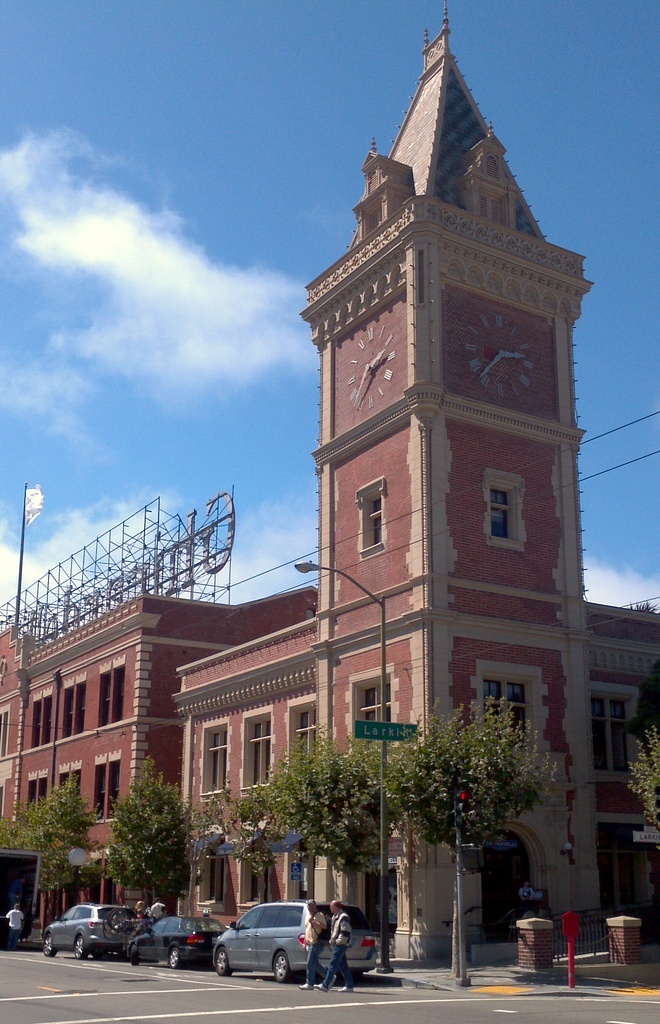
<point>151,552</point>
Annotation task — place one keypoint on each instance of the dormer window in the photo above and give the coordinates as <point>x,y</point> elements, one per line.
<point>491,208</point>
<point>492,167</point>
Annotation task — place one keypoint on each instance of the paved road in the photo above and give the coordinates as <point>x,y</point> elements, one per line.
<point>34,990</point>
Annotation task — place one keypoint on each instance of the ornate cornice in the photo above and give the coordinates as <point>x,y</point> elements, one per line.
<point>481,253</point>
<point>226,695</point>
<point>426,400</point>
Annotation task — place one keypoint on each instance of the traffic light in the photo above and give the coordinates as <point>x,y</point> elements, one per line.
<point>462,805</point>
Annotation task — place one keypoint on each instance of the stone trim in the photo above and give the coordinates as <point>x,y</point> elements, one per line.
<point>244,689</point>
<point>424,210</point>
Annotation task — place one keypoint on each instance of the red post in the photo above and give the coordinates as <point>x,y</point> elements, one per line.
<point>570,926</point>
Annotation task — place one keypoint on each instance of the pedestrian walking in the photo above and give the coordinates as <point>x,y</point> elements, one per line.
<point>341,933</point>
<point>315,924</point>
<point>15,918</point>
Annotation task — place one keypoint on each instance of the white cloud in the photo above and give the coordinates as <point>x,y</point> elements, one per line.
<point>160,310</point>
<point>620,586</point>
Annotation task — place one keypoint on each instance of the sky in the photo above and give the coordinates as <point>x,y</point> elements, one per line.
<point>174,172</point>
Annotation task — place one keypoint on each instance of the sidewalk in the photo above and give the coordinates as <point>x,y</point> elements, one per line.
<point>510,979</point>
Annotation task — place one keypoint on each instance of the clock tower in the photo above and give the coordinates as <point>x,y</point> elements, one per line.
<point>448,480</point>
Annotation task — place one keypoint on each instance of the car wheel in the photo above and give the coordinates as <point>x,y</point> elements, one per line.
<point>97,954</point>
<point>281,968</point>
<point>174,958</point>
<point>221,963</point>
<point>134,956</point>
<point>49,949</point>
<point>79,950</point>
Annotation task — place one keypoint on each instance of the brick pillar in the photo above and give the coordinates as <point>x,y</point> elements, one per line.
<point>624,940</point>
<point>535,943</point>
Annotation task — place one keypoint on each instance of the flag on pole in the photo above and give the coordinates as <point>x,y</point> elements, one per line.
<point>34,502</point>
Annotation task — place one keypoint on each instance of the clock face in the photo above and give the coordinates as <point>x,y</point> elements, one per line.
<point>370,369</point>
<point>499,355</point>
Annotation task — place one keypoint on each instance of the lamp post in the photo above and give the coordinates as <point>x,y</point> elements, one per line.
<point>77,859</point>
<point>384,894</point>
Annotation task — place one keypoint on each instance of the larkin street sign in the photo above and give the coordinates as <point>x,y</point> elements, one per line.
<point>390,731</point>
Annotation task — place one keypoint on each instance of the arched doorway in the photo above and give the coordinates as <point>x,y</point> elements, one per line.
<point>506,867</point>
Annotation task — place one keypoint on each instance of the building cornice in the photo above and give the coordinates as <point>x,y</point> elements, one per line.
<point>248,687</point>
<point>478,252</point>
<point>116,623</point>
<point>426,400</point>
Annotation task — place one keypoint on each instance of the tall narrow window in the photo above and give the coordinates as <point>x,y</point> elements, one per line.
<point>608,734</point>
<point>104,698</point>
<point>81,692</point>
<point>259,738</point>
<point>305,726</point>
<point>118,694</point>
<point>4,736</point>
<point>371,503</point>
<point>36,723</point>
<point>67,715</point>
<point>47,719</point>
<point>100,781</point>
<point>113,785</point>
<point>499,513</point>
<point>504,525</point>
<point>216,760</point>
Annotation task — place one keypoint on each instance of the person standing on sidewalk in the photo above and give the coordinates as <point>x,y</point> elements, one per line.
<point>314,925</point>
<point>341,933</point>
<point>15,918</point>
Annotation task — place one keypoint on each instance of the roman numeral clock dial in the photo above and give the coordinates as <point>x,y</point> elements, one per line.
<point>368,371</point>
<point>499,356</point>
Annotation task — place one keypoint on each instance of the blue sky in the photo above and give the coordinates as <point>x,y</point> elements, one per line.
<point>172,174</point>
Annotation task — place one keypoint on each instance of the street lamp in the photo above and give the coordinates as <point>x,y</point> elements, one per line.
<point>77,859</point>
<point>384,883</point>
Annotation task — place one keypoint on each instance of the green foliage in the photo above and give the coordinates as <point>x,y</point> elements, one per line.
<point>203,821</point>
<point>331,796</point>
<point>148,850</point>
<point>645,773</point>
<point>53,826</point>
<point>488,754</point>
<point>254,825</point>
<point>647,714</point>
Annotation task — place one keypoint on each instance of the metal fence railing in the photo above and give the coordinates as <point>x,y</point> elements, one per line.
<point>592,937</point>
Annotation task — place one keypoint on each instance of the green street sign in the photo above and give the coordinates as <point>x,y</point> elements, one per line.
<point>389,731</point>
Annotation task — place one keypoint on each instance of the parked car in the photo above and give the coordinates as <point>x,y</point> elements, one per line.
<point>271,937</point>
<point>81,929</point>
<point>177,940</point>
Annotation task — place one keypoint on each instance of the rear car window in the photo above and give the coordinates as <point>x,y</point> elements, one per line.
<point>289,917</point>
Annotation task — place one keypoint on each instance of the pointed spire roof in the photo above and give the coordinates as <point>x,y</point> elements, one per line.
<point>442,128</point>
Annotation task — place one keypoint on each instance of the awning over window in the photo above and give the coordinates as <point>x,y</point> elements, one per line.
<point>287,844</point>
<point>621,833</point>
<point>214,844</point>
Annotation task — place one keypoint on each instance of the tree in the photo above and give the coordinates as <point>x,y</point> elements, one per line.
<point>149,836</point>
<point>647,713</point>
<point>331,795</point>
<point>256,824</point>
<point>645,773</point>
<point>486,753</point>
<point>207,824</point>
<point>53,826</point>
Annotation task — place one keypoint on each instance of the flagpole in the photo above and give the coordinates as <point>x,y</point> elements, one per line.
<point>20,560</point>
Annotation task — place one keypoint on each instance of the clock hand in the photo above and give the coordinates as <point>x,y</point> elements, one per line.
<point>377,359</point>
<point>356,394</point>
<point>490,365</point>
<point>512,355</point>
